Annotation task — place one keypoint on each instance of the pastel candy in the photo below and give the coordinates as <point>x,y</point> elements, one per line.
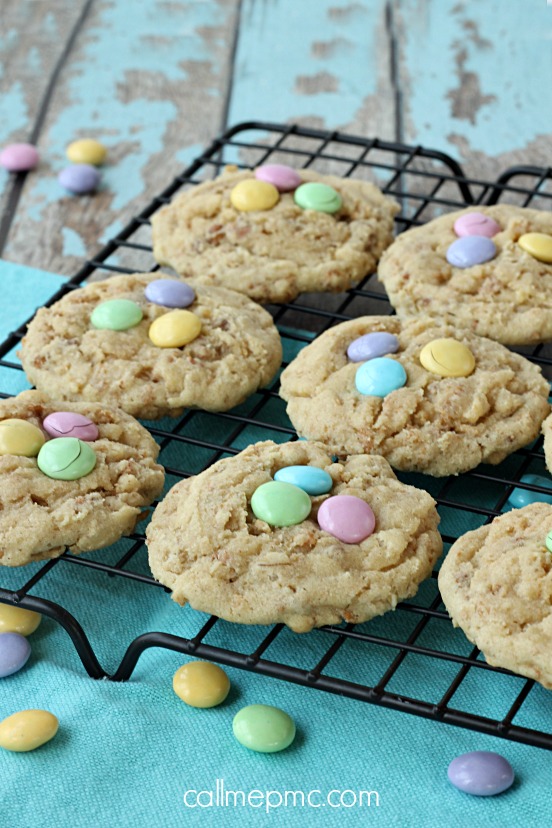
<point>175,329</point>
<point>263,728</point>
<point>169,293</point>
<point>252,194</point>
<point>476,224</point>
<point>538,245</point>
<point>27,730</point>
<point>548,541</point>
<point>116,315</point>
<point>70,424</point>
<point>372,345</point>
<point>379,377</point>
<point>280,504</point>
<point>448,358</point>
<point>279,175</point>
<point>86,151</point>
<point>79,178</point>
<point>20,437</point>
<point>311,479</point>
<point>471,250</point>
<point>201,684</point>
<point>348,518</point>
<point>18,620</point>
<point>481,773</point>
<point>523,497</point>
<point>19,157</point>
<point>14,653</point>
<point>66,458</point>
<point>314,195</point>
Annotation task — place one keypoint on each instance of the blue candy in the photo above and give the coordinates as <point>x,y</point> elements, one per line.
<point>14,652</point>
<point>380,377</point>
<point>523,497</point>
<point>471,250</point>
<point>311,479</point>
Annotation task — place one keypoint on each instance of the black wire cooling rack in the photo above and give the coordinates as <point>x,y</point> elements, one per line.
<point>411,660</point>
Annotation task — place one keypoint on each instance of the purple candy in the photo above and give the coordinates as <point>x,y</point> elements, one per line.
<point>169,293</point>
<point>347,518</point>
<point>471,250</point>
<point>79,178</point>
<point>282,177</point>
<point>70,424</point>
<point>476,224</point>
<point>481,773</point>
<point>14,652</point>
<point>19,157</point>
<point>372,345</point>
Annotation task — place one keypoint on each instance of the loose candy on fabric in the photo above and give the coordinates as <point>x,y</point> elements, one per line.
<point>70,424</point>
<point>19,157</point>
<point>280,504</point>
<point>311,479</point>
<point>263,728</point>
<point>448,358</point>
<point>476,224</point>
<point>471,250</point>
<point>314,195</point>
<point>169,293</point>
<point>379,377</point>
<point>18,620</point>
<point>14,653</point>
<point>348,518</point>
<point>201,684</point>
<point>252,194</point>
<point>372,345</point>
<point>175,329</point>
<point>116,315</point>
<point>27,730</point>
<point>86,151</point>
<point>79,178</point>
<point>481,773</point>
<point>21,438</point>
<point>66,458</point>
<point>280,176</point>
<point>538,245</point>
<point>523,497</point>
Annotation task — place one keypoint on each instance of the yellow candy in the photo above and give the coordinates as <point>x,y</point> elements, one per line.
<point>174,329</point>
<point>448,358</point>
<point>86,151</point>
<point>252,194</point>
<point>27,730</point>
<point>538,245</point>
<point>20,437</point>
<point>201,684</point>
<point>16,619</point>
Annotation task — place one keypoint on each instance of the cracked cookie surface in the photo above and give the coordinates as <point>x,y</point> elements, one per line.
<point>435,425</point>
<point>207,546</point>
<point>237,351</point>
<point>273,255</point>
<point>41,517</point>
<point>496,583</point>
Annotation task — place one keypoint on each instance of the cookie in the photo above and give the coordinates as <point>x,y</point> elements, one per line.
<point>73,476</point>
<point>547,433</point>
<point>210,353</point>
<point>386,402</point>
<point>507,296</point>
<point>496,583</point>
<point>212,550</point>
<point>274,253</point>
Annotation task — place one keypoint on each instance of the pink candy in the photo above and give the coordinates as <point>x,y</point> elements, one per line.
<point>19,157</point>
<point>347,518</point>
<point>70,424</point>
<point>476,224</point>
<point>282,177</point>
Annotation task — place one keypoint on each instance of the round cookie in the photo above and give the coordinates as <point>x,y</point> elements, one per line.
<point>274,254</point>
<point>238,349</point>
<point>547,433</point>
<point>41,516</point>
<point>434,424</point>
<point>507,298</point>
<point>496,583</point>
<point>207,546</point>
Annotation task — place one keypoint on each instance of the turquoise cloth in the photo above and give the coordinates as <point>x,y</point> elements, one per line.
<point>126,754</point>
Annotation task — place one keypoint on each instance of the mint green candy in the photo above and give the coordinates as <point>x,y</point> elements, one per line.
<point>116,315</point>
<point>66,458</point>
<point>317,196</point>
<point>280,504</point>
<point>263,728</point>
<point>549,541</point>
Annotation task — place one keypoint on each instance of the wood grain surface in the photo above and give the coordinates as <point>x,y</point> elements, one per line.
<point>156,80</point>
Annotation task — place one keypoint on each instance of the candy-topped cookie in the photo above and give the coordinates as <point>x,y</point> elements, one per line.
<point>430,398</point>
<point>275,232</point>
<point>486,269</point>
<point>496,583</point>
<point>152,345</point>
<point>281,533</point>
<point>73,476</point>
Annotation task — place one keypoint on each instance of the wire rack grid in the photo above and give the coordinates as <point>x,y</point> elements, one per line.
<point>411,660</point>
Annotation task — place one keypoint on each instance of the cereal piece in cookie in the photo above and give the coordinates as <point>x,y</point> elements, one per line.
<point>152,346</point>
<point>486,269</point>
<point>496,583</point>
<point>429,397</point>
<point>274,233</point>
<point>73,476</point>
<point>281,533</point>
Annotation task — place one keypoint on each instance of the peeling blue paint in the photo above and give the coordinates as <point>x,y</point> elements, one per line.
<point>73,244</point>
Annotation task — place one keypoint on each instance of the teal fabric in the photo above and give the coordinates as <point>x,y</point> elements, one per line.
<point>126,754</point>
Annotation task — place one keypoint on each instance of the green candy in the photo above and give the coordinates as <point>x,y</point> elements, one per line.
<point>317,196</point>
<point>263,728</point>
<point>280,504</point>
<point>549,541</point>
<point>66,458</point>
<point>116,315</point>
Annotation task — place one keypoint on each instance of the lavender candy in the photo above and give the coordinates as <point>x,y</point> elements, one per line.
<point>471,250</point>
<point>481,773</point>
<point>169,293</point>
<point>79,178</point>
<point>372,345</point>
